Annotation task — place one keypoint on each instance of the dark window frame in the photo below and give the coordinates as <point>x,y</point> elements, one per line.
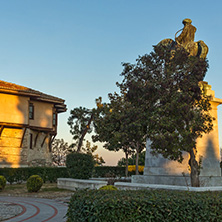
<point>31,111</point>
<point>54,119</point>
<point>30,141</point>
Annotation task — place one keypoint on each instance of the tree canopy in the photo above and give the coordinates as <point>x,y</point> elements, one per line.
<point>132,160</point>
<point>167,86</point>
<point>121,126</point>
<point>80,122</point>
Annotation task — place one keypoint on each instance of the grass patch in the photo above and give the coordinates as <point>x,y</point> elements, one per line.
<point>53,189</point>
<point>14,186</point>
<point>47,188</point>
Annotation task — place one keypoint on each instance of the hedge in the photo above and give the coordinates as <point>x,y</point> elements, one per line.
<point>79,165</point>
<point>50,174</point>
<point>18,175</point>
<point>144,205</point>
<point>109,171</point>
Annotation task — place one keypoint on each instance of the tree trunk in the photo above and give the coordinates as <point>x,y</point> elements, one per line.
<point>137,161</point>
<point>126,171</point>
<point>194,175</point>
<point>84,133</point>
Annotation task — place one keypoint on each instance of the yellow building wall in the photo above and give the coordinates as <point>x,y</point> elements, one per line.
<point>13,109</point>
<point>43,113</point>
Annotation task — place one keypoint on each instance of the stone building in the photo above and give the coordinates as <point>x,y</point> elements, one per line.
<point>28,125</point>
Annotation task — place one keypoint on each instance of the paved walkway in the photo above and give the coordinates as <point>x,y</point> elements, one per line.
<point>34,209</point>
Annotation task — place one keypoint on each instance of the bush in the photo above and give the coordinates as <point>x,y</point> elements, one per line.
<point>34,183</point>
<point>108,187</point>
<point>79,165</point>
<point>2,183</point>
<point>144,205</point>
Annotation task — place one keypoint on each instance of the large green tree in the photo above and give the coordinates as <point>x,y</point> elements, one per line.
<point>166,86</point>
<point>121,126</point>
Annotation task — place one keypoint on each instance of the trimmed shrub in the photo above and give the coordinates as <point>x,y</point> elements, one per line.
<point>144,205</point>
<point>79,165</point>
<point>108,187</point>
<point>34,183</point>
<point>2,183</point>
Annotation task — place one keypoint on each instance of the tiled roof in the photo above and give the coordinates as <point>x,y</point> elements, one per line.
<point>17,89</point>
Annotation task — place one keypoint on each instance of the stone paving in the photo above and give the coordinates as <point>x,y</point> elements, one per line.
<point>19,209</point>
<point>8,210</point>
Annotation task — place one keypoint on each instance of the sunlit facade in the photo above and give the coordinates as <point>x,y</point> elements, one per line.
<point>28,125</point>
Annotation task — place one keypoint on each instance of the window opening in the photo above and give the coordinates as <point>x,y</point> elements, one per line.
<point>31,111</point>
<point>54,119</point>
<point>30,142</point>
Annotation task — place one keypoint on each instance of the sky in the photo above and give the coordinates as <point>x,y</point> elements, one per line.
<point>74,49</point>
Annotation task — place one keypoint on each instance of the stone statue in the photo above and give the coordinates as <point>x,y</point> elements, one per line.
<point>186,40</point>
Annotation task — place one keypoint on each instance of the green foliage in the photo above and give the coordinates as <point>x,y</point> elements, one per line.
<point>80,122</point>
<point>60,149</point>
<point>108,187</point>
<point>34,183</point>
<point>121,125</point>
<point>132,160</point>
<point>79,165</point>
<point>109,171</point>
<point>167,88</point>
<point>48,174</point>
<point>2,182</point>
<point>88,149</point>
<point>144,205</point>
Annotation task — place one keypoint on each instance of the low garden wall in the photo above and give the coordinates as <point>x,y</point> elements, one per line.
<point>75,184</point>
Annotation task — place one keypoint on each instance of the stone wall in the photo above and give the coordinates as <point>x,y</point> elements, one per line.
<point>12,154</point>
<point>40,154</point>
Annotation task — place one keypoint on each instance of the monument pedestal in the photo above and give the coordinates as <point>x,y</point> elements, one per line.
<point>159,170</point>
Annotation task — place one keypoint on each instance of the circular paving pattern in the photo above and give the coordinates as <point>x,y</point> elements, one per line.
<point>8,210</point>
<point>19,209</point>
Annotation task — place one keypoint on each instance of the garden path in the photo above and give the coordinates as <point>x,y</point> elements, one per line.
<point>34,209</point>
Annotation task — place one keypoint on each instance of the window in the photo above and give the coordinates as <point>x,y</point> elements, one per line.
<point>31,111</point>
<point>54,119</point>
<point>30,140</point>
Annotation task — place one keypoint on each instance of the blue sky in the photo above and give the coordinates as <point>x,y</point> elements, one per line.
<point>74,49</point>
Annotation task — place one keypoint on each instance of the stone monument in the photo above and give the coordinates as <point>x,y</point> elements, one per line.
<point>159,170</point>
<point>186,41</point>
